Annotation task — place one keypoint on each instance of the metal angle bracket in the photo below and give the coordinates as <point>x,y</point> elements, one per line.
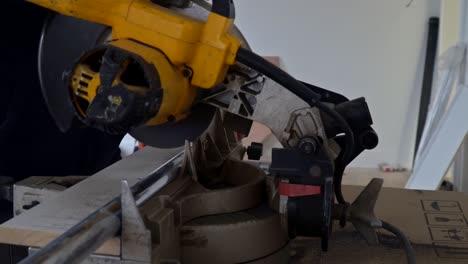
<point>135,239</point>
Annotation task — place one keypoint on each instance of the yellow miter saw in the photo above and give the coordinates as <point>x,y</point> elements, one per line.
<point>143,65</point>
<point>159,69</point>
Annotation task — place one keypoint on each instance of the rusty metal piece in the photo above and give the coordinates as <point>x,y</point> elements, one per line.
<point>233,238</point>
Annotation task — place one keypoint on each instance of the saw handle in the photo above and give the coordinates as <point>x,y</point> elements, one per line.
<point>224,8</point>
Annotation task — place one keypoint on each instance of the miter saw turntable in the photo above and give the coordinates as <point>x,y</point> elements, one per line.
<point>178,73</point>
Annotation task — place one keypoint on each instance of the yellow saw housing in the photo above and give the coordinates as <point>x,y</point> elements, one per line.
<point>177,93</point>
<point>208,48</point>
<point>171,41</point>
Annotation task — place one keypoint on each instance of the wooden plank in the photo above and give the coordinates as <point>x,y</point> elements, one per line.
<point>48,220</point>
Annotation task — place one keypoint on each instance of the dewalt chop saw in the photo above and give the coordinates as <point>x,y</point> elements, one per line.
<point>159,70</point>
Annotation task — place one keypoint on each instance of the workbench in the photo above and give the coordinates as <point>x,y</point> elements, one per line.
<point>435,222</point>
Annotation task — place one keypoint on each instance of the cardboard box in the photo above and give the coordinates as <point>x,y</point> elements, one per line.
<point>435,222</point>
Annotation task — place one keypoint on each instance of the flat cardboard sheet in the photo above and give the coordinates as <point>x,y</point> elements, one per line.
<point>435,222</point>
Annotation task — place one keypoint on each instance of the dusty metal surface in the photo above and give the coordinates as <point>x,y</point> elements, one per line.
<point>233,238</point>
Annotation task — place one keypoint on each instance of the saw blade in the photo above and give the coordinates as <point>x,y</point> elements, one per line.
<point>64,39</point>
<point>174,134</point>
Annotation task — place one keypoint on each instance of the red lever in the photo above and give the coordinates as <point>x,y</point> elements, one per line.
<point>296,190</point>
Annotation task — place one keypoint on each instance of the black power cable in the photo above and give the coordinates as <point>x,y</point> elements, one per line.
<point>260,64</point>
<point>410,257</point>
<point>263,66</point>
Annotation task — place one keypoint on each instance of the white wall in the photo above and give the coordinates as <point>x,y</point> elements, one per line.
<point>449,24</point>
<point>371,48</point>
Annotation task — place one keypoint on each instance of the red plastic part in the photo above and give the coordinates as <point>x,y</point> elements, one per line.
<point>296,190</point>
